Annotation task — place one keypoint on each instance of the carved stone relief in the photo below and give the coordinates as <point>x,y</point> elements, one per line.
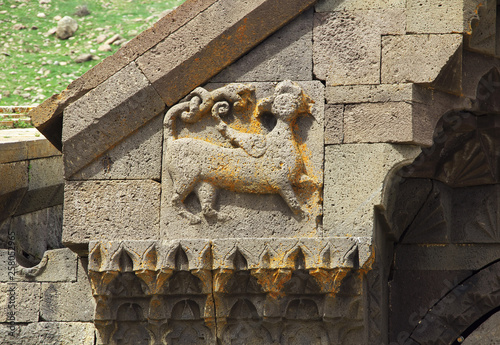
<point>175,292</point>
<point>242,157</point>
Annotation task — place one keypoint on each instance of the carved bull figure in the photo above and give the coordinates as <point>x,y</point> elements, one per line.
<point>258,163</point>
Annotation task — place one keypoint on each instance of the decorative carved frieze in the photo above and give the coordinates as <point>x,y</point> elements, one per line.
<point>267,292</point>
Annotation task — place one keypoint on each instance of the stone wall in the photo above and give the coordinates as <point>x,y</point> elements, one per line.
<point>39,278</point>
<point>234,175</point>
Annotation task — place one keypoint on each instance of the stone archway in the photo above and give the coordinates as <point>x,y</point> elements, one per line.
<point>442,216</point>
<point>451,318</point>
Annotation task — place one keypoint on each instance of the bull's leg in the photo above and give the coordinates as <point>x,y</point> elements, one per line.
<point>182,186</point>
<point>288,194</point>
<point>207,194</point>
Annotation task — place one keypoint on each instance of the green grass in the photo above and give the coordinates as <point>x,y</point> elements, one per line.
<point>35,65</point>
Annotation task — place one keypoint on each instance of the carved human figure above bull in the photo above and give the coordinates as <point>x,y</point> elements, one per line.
<point>237,143</point>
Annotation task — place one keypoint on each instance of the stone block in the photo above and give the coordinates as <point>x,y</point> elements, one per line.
<point>212,41</point>
<point>49,333</point>
<point>400,55</point>
<point>355,38</point>
<point>369,93</point>
<point>434,16</point>
<point>58,299</point>
<point>45,187</point>
<point>378,122</point>
<point>350,5</point>
<point>349,208</point>
<point>23,299</point>
<point>14,177</point>
<point>106,210</point>
<point>25,146</point>
<point>37,232</point>
<point>45,172</point>
<point>287,54</point>
<point>137,157</point>
<point>13,186</point>
<point>41,148</point>
<point>435,257</point>
<point>252,214</point>
<point>57,265</point>
<point>13,151</point>
<point>334,124</point>
<point>97,121</point>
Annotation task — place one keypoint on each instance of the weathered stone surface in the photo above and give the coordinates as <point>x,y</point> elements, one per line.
<point>45,187</point>
<point>487,333</point>
<point>66,28</point>
<point>187,58</point>
<point>57,265</point>
<point>369,93</point>
<point>452,315</point>
<point>400,55</point>
<point>201,254</point>
<point>25,145</point>
<point>58,299</point>
<point>444,257</point>
<point>434,16</point>
<point>49,333</point>
<point>21,298</point>
<point>334,124</point>
<point>355,39</point>
<point>248,206</point>
<point>475,67</point>
<point>483,37</point>
<point>413,293</point>
<point>271,253</point>
<point>37,232</point>
<point>45,172</point>
<point>41,148</point>
<point>150,255</point>
<point>13,187</point>
<point>287,54</point>
<point>349,208</point>
<point>137,157</point>
<point>14,177</point>
<point>349,5</point>
<point>107,114</point>
<point>378,122</point>
<point>106,209</point>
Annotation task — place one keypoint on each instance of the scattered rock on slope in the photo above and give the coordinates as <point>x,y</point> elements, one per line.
<point>66,28</point>
<point>84,57</point>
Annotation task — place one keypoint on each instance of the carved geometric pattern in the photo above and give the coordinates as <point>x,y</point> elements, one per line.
<point>176,293</point>
<point>461,307</point>
<point>445,214</point>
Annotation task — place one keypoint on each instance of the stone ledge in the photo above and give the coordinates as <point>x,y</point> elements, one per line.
<point>22,144</point>
<point>269,253</point>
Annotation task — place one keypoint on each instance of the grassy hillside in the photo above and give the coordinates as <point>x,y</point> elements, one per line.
<point>35,64</point>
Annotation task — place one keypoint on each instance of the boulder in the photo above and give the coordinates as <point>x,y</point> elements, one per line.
<point>66,28</point>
